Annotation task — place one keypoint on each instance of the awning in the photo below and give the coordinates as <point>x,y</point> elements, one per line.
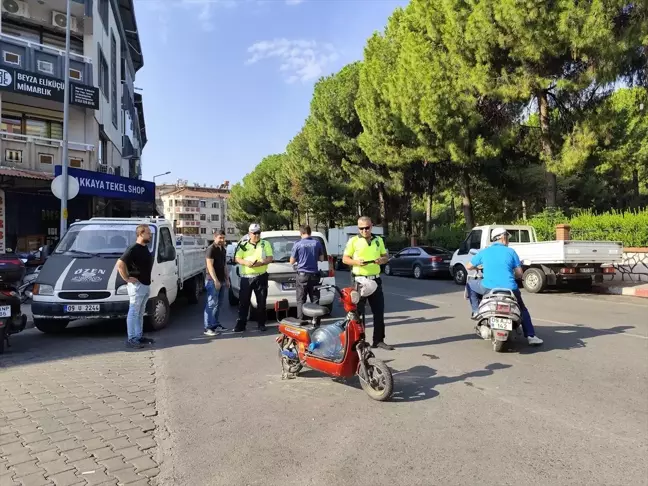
<point>127,14</point>
<point>25,174</point>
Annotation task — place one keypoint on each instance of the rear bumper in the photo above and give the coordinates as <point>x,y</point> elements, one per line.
<point>108,310</point>
<point>437,269</point>
<point>326,298</point>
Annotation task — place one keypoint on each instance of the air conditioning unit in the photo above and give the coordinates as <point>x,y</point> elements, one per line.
<point>59,20</point>
<point>103,168</point>
<point>15,7</point>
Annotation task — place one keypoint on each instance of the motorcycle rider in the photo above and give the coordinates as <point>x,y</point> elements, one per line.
<point>501,267</point>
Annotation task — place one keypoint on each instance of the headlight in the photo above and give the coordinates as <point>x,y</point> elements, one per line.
<point>355,296</point>
<point>40,289</point>
<point>122,290</point>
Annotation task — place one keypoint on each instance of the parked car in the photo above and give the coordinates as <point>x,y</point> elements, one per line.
<point>545,263</point>
<point>80,279</point>
<point>281,274</point>
<point>420,262</point>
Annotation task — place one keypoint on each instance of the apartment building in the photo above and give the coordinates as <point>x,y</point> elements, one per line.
<point>197,210</point>
<point>107,132</point>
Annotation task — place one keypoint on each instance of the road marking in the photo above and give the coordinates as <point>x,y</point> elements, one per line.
<point>602,331</point>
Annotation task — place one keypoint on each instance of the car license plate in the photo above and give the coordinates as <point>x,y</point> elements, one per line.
<point>501,323</point>
<point>446,261</point>
<point>5,311</point>
<point>587,270</point>
<point>288,286</point>
<point>82,308</point>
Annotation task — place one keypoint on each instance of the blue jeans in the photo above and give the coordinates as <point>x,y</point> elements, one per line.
<point>138,295</point>
<point>213,304</point>
<point>476,291</point>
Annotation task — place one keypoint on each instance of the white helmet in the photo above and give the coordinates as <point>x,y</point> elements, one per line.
<point>497,233</point>
<point>367,286</point>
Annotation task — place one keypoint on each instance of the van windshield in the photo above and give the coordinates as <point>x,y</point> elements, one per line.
<point>101,239</point>
<point>282,246</point>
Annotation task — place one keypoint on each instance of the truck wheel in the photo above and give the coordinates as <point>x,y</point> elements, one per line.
<point>232,298</point>
<point>459,274</point>
<point>535,280</point>
<point>160,316</point>
<point>50,326</point>
<point>192,289</point>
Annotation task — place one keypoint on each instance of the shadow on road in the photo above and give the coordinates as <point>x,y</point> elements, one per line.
<point>569,337</point>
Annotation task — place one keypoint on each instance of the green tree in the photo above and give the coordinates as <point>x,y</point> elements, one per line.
<point>537,51</point>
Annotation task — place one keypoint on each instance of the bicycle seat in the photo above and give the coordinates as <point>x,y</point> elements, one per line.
<point>314,310</point>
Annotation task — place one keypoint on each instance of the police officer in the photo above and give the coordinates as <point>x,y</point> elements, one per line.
<point>365,253</point>
<point>254,256</point>
<point>306,253</point>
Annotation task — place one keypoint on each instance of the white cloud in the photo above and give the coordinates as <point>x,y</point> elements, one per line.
<point>300,60</point>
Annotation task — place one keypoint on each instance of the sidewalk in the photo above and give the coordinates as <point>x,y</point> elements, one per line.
<point>632,289</point>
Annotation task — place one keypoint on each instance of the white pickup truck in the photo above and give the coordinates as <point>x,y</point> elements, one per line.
<point>544,263</point>
<point>80,279</point>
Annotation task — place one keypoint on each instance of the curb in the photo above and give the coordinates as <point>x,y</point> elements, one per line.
<point>619,290</point>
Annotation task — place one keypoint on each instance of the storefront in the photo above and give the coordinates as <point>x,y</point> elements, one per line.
<point>30,213</point>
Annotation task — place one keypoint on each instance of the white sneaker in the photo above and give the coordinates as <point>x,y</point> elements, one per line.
<point>535,340</point>
<point>210,332</point>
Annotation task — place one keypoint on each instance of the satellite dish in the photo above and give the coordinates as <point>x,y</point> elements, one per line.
<point>73,187</point>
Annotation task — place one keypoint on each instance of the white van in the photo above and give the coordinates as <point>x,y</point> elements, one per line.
<point>282,275</point>
<point>80,280</point>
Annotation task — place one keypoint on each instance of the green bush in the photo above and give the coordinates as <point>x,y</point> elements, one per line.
<point>629,227</point>
<point>448,237</point>
<point>395,243</point>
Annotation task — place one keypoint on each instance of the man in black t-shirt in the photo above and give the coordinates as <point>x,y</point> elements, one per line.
<point>217,280</point>
<point>135,267</point>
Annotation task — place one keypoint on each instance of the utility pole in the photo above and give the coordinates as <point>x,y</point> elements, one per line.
<point>66,124</point>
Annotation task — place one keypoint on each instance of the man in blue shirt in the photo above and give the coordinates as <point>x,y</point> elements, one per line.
<point>501,267</point>
<point>306,253</point>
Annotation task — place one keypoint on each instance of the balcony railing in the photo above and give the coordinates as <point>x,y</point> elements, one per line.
<point>42,154</point>
<point>187,223</point>
<point>43,59</point>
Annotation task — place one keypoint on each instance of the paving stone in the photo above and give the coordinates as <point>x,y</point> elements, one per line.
<point>96,443</point>
<point>13,448</point>
<point>48,456</point>
<point>67,445</point>
<point>76,454</point>
<point>120,443</point>
<point>130,453</point>
<point>26,468</point>
<point>36,479</point>
<point>19,458</point>
<point>33,437</point>
<point>97,477</point>
<point>59,436</point>
<point>128,476</point>
<point>43,445</point>
<point>8,439</point>
<point>104,453</point>
<point>67,478</point>
<point>146,443</point>
<point>150,473</point>
<point>55,467</point>
<point>143,463</point>
<point>114,464</point>
<point>88,464</point>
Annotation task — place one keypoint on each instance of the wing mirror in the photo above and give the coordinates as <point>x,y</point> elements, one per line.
<point>473,251</point>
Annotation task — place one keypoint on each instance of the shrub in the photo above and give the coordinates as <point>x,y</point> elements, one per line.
<point>628,227</point>
<point>448,237</point>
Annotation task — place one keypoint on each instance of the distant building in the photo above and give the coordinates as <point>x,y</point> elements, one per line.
<point>196,210</point>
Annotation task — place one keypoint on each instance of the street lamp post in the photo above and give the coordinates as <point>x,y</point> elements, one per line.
<point>66,123</point>
<point>159,175</point>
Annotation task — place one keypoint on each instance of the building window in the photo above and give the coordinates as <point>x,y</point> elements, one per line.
<point>214,217</point>
<point>177,202</point>
<point>203,231</point>
<point>230,231</point>
<point>76,162</point>
<point>12,124</point>
<point>103,12</point>
<point>35,127</point>
<point>102,151</point>
<point>113,77</point>
<point>11,58</point>
<point>76,74</point>
<point>104,75</point>
<point>215,205</point>
<point>45,159</point>
<point>203,204</point>
<point>13,156</point>
<point>45,67</point>
<point>203,217</point>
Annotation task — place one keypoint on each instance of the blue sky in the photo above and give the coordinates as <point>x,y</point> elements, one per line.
<point>227,82</point>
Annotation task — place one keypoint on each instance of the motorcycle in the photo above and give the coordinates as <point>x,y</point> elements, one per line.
<point>499,317</point>
<point>12,320</point>
<point>28,283</point>
<point>297,350</point>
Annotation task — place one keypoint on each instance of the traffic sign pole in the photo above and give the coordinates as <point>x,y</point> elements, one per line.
<point>66,123</point>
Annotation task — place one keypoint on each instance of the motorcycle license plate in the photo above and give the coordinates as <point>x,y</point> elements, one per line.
<point>288,286</point>
<point>501,323</point>
<point>82,308</point>
<point>5,311</point>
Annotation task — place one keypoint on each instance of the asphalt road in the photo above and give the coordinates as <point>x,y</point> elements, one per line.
<point>574,411</point>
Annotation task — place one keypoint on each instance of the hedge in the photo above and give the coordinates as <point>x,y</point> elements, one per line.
<point>628,227</point>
